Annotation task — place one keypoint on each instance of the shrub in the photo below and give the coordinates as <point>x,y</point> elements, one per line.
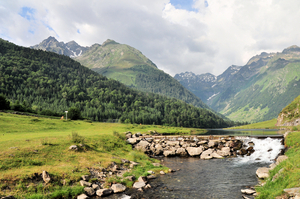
<point>74,113</point>
<point>4,104</point>
<point>76,138</point>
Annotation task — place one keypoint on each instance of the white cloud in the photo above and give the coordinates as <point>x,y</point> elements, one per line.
<point>210,38</point>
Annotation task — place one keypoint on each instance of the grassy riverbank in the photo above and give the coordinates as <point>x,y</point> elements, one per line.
<point>270,124</point>
<point>29,145</point>
<point>289,177</point>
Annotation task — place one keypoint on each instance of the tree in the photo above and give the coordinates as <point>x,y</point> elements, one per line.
<point>74,113</point>
<point>4,103</point>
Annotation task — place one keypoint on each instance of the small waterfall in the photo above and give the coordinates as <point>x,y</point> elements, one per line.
<point>266,150</point>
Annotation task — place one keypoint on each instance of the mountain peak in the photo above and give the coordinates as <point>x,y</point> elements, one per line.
<point>293,48</point>
<point>50,38</point>
<point>108,42</point>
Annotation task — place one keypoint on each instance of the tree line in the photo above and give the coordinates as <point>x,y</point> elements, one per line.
<point>48,83</point>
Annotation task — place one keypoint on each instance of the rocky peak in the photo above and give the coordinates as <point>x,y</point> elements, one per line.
<point>108,42</point>
<point>290,49</point>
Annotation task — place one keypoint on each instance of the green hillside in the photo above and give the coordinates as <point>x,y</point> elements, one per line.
<point>38,81</point>
<point>129,66</point>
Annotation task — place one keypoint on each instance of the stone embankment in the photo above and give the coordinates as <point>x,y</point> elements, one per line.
<point>205,147</point>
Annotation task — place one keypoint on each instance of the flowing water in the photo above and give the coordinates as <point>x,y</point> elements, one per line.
<point>216,178</point>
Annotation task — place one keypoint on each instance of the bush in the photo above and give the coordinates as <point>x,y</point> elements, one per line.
<point>76,138</point>
<point>74,113</point>
<point>4,104</point>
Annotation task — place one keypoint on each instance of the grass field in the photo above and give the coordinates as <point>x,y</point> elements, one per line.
<point>30,145</point>
<point>270,124</point>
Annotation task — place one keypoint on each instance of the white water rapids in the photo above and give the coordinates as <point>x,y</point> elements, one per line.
<point>266,150</point>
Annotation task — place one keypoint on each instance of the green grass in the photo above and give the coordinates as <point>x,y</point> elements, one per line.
<point>30,145</point>
<point>290,177</point>
<point>269,124</point>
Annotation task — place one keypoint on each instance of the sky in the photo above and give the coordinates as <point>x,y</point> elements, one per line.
<point>199,36</point>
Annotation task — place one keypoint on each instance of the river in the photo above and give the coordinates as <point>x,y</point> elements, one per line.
<point>216,178</point>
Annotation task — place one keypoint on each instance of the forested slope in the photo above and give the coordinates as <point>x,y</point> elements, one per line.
<point>44,80</point>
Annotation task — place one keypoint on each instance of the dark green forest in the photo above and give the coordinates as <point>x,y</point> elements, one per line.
<point>45,82</point>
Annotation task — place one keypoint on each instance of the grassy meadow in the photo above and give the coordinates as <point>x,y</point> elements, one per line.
<point>29,145</point>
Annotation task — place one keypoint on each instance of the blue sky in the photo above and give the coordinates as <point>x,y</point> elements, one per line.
<point>183,4</point>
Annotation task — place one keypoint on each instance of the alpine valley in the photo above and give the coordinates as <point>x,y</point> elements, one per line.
<point>125,64</point>
<point>255,92</point>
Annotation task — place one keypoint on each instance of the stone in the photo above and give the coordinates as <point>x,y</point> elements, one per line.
<point>143,146</point>
<point>272,166</point>
<point>193,151</point>
<point>162,173</point>
<point>89,191</point>
<point>171,170</point>
<point>131,178</point>
<point>132,164</point>
<point>206,155</point>
<point>216,155</point>
<point>262,172</point>
<point>73,147</point>
<point>82,196</point>
<point>202,142</point>
<point>169,153</point>
<point>281,158</point>
<point>251,144</point>
<point>225,151</point>
<point>248,191</point>
<point>142,179</point>
<point>293,191</point>
<point>132,140</point>
<point>128,135</point>
<point>115,168</point>
<point>117,188</point>
<point>150,172</point>
<point>212,143</point>
<point>151,177</point>
<point>85,177</point>
<point>104,192</point>
<point>173,143</point>
<point>85,184</point>
<point>46,177</point>
<point>148,186</point>
<point>139,184</point>
<point>181,152</point>
<point>95,186</point>
<point>125,161</point>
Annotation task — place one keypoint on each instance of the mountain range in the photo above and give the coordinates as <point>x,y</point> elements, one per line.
<point>125,64</point>
<point>254,92</point>
<point>48,83</point>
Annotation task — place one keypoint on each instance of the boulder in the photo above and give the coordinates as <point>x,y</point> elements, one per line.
<point>128,135</point>
<point>85,184</point>
<point>131,178</point>
<point>82,196</point>
<point>143,146</point>
<point>169,153</point>
<point>132,140</point>
<point>202,142</point>
<point>95,186</point>
<point>117,188</point>
<point>150,172</point>
<point>212,143</point>
<point>142,179</point>
<point>248,191</point>
<point>139,184</point>
<point>158,149</point>
<point>73,147</point>
<point>216,155</point>
<point>151,177</point>
<point>181,152</point>
<point>225,151</point>
<point>173,143</point>
<point>148,186</point>
<point>193,151</point>
<point>46,177</point>
<point>262,172</point>
<point>89,191</point>
<point>293,191</point>
<point>85,177</point>
<point>104,192</point>
<point>162,173</point>
<point>206,155</point>
<point>281,158</point>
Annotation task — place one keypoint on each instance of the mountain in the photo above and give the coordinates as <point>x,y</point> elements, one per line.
<point>257,91</point>
<point>290,116</point>
<point>129,66</point>
<point>46,82</point>
<point>71,49</point>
